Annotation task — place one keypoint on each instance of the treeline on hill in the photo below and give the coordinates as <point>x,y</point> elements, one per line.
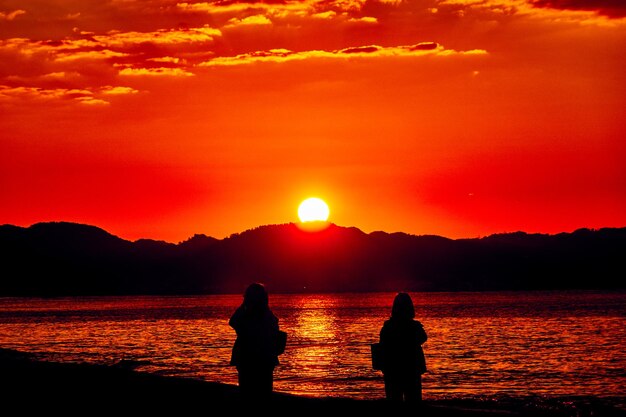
<point>57,259</point>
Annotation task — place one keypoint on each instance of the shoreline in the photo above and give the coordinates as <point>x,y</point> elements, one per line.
<point>48,385</point>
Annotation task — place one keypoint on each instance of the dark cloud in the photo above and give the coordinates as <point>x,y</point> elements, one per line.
<point>610,8</point>
<point>360,49</point>
<point>424,46</point>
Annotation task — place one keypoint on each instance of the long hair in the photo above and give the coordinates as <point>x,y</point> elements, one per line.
<point>255,297</point>
<point>403,307</point>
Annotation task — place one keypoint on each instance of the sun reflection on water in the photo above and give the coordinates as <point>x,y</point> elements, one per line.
<point>313,345</point>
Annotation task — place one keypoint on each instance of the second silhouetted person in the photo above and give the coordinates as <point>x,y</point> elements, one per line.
<point>401,339</point>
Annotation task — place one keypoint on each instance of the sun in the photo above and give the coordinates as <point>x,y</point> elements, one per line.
<point>313,210</point>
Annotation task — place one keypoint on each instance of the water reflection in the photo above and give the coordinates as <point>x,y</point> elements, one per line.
<point>479,344</point>
<point>313,345</point>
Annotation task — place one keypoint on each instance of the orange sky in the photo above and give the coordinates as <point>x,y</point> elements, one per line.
<point>463,118</point>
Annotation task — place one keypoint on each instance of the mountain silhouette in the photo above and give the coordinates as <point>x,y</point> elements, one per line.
<point>59,259</point>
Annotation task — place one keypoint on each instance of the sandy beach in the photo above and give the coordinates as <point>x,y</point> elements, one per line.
<point>79,388</point>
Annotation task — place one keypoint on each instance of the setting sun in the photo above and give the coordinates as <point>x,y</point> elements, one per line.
<point>312,210</point>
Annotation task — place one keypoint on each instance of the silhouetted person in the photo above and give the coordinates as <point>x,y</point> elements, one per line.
<point>403,358</point>
<point>254,353</point>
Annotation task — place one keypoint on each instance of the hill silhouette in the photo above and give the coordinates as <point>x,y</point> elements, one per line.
<point>57,259</point>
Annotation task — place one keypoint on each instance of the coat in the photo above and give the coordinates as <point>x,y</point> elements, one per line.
<point>255,345</point>
<point>401,342</point>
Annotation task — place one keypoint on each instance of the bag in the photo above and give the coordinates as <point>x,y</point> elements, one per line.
<point>378,356</point>
<point>280,342</point>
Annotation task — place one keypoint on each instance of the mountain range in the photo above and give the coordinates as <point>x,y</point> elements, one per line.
<point>64,259</point>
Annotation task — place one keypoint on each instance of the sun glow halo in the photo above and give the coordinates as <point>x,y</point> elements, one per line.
<point>313,210</point>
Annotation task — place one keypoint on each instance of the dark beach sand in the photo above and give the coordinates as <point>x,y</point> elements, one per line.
<point>87,389</point>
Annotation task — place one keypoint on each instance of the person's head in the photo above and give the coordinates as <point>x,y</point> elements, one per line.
<point>255,296</point>
<point>403,307</point>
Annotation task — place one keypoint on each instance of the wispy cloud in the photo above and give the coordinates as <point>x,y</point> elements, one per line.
<point>113,44</point>
<point>255,20</point>
<point>364,19</point>
<point>166,59</point>
<point>46,94</point>
<point>39,66</point>
<point>325,9</point>
<point>161,71</point>
<point>561,11</point>
<point>188,35</point>
<point>367,51</point>
<point>114,39</point>
<point>89,55</point>
<point>117,90</point>
<point>610,8</point>
<point>86,96</point>
<point>11,15</point>
<point>252,7</point>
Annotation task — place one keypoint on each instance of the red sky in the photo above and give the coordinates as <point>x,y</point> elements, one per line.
<point>463,118</point>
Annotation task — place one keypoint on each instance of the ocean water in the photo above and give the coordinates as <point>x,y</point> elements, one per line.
<point>480,345</point>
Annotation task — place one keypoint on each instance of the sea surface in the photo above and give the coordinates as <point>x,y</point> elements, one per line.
<point>480,345</point>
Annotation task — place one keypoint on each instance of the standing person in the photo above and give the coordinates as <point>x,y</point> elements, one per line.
<point>254,352</point>
<point>401,338</point>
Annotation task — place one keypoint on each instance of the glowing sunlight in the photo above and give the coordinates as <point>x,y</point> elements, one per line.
<point>313,210</point>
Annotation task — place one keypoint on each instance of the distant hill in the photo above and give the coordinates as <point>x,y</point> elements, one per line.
<point>57,259</point>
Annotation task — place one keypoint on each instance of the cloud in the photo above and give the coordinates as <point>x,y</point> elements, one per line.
<point>114,44</point>
<point>44,94</point>
<point>424,46</point>
<point>93,55</point>
<point>361,49</point>
<point>344,5</point>
<point>161,71</point>
<point>30,47</point>
<point>92,101</point>
<point>610,8</point>
<point>11,15</point>
<point>86,96</point>
<point>84,58</point>
<point>166,59</point>
<point>364,19</point>
<point>329,14</point>
<point>115,39</point>
<point>58,75</point>
<point>49,79</point>
<point>86,53</point>
<point>491,8</point>
<point>573,11</point>
<point>324,9</point>
<point>367,51</point>
<point>226,6</point>
<point>279,8</point>
<point>117,91</point>
<point>255,20</point>
<point>311,20</point>
<point>391,2</point>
